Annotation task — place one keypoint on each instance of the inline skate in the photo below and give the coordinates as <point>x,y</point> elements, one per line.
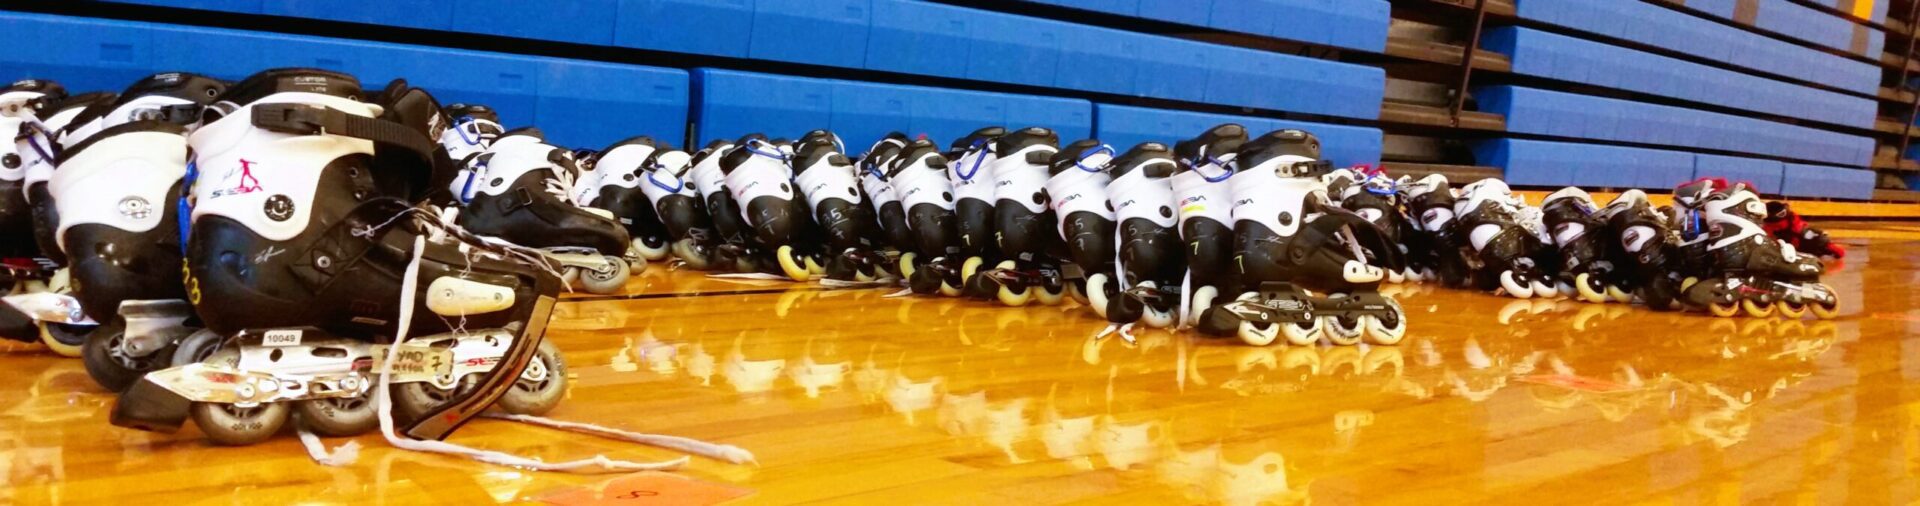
<point>826,180</point>
<point>1648,245</point>
<point>312,282</point>
<point>1433,244</point>
<point>1077,190</point>
<point>1747,268</point>
<point>520,196</point>
<point>1023,221</point>
<point>666,182</point>
<point>1147,279</point>
<point>730,229</point>
<point>24,268</point>
<point>1788,226</point>
<point>1291,242</point>
<point>1586,246</point>
<point>760,181</point>
<point>919,177</point>
<point>1375,197</point>
<point>40,145</point>
<point>1503,246</point>
<point>474,128</point>
<point>1204,204</point>
<point>890,218</point>
<point>970,168</point>
<point>114,195</point>
<point>619,188</point>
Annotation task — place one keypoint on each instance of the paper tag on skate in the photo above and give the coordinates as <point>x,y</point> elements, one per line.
<point>49,307</point>
<point>413,359</point>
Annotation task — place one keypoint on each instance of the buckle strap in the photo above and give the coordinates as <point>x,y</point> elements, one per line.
<point>308,119</point>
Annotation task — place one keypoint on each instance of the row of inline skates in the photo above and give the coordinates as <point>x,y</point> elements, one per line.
<point>1227,232</point>
<point>269,252</point>
<point>1717,248</point>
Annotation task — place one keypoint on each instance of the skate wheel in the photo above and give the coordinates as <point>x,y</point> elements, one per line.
<point>109,366</point>
<point>197,347</point>
<point>540,386</point>
<point>813,266</point>
<point>794,267</point>
<point>1544,289</point>
<point>906,265</point>
<point>1757,309</point>
<point>1097,295</point>
<point>1202,300</point>
<point>1396,277</point>
<point>1619,294</point>
<point>1824,310</point>
<point>949,290</point>
<point>1723,310</point>
<point>688,252</point>
<point>1200,303</point>
<point>653,250</point>
<point>1344,331</point>
<point>1078,292</point>
<point>1302,333</point>
<point>1790,309</point>
<point>1387,331</point>
<point>1256,333</point>
<point>1007,295</point>
<point>1516,287</point>
<point>1566,289</point>
<point>1590,289</point>
<point>64,339</point>
<point>609,279</point>
<point>230,425</point>
<point>1156,317</point>
<point>338,416</point>
<point>1049,296</point>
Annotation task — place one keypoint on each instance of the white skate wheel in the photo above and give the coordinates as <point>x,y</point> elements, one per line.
<point>1202,300</point>
<point>1384,333</point>
<point>1514,286</point>
<point>1344,333</point>
<point>1097,293</point>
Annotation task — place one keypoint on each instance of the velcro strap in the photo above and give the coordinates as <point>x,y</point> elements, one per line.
<point>308,119</point>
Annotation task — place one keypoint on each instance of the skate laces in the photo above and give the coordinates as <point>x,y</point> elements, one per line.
<point>561,184</point>
<point>598,463</point>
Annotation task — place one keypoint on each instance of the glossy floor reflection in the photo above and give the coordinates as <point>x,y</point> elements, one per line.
<point>847,396</point>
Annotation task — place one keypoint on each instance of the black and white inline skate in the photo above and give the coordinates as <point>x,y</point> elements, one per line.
<point>1587,247</point>
<point>1505,248</point>
<point>1023,221</point>
<point>618,185</point>
<point>311,281</point>
<point>1434,247</point>
<point>115,194</point>
<point>1648,245</point>
<point>890,216</point>
<point>970,163</point>
<point>520,196</point>
<point>918,174</point>
<point>760,181</point>
<point>827,180</point>
<point>1301,262</point>
<point>1377,198</point>
<point>1204,204</point>
<point>27,271</point>
<point>1146,281</point>
<point>1749,270</point>
<point>1077,193</point>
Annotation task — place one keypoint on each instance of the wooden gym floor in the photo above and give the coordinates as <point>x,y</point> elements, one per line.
<point>849,397</point>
